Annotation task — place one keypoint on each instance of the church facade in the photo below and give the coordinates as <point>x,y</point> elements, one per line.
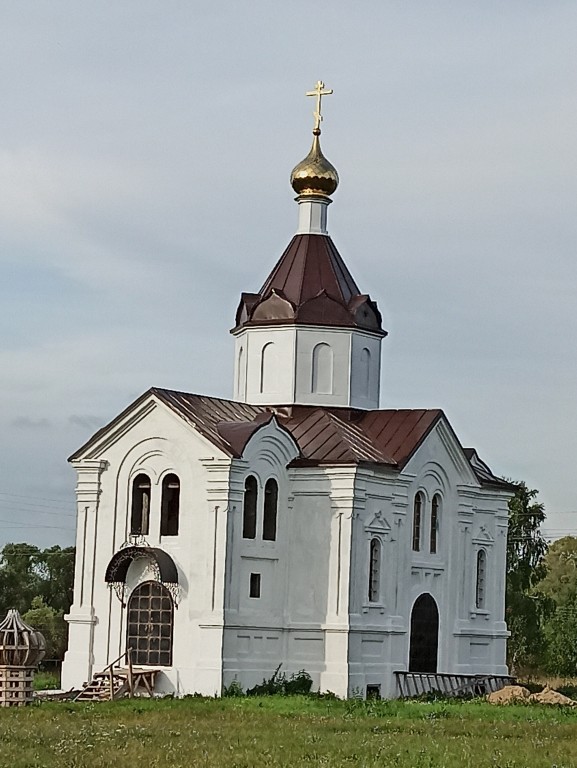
<point>298,524</point>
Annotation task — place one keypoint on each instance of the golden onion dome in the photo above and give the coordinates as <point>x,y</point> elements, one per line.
<point>315,175</point>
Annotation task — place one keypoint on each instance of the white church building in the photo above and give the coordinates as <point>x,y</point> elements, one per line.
<point>299,523</point>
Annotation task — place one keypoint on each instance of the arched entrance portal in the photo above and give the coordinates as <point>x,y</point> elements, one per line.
<point>150,622</point>
<point>424,635</point>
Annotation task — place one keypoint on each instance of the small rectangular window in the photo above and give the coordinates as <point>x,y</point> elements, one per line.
<point>373,691</point>
<point>254,590</point>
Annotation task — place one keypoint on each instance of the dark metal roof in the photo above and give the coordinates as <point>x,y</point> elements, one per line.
<point>324,436</point>
<point>310,285</point>
<point>484,475</point>
<point>120,562</point>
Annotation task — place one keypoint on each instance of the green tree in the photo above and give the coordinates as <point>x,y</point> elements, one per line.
<point>525,568</point>
<point>56,569</point>
<point>27,572</point>
<point>559,586</point>
<point>51,623</point>
<point>19,578</point>
<point>559,581</point>
<point>560,631</point>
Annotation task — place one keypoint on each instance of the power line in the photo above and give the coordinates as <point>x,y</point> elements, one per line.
<point>37,498</point>
<point>33,511</point>
<point>12,524</point>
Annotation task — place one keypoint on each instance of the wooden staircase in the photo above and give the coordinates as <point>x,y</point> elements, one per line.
<point>116,682</point>
<point>104,687</point>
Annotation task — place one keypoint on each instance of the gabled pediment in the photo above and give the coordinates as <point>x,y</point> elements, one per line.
<point>112,432</point>
<point>483,536</point>
<point>197,414</point>
<point>378,524</point>
<point>441,448</point>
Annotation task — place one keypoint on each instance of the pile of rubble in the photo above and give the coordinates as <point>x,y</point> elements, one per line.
<point>513,694</point>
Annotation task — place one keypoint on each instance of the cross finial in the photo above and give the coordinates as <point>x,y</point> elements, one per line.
<point>319,92</point>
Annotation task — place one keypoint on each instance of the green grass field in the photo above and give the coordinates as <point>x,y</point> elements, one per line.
<point>289,731</point>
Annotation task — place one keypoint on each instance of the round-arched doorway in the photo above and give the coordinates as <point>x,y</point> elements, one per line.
<point>150,624</point>
<point>424,644</point>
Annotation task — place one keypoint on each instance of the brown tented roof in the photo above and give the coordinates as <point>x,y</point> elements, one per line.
<point>311,264</point>
<point>311,285</point>
<point>324,436</point>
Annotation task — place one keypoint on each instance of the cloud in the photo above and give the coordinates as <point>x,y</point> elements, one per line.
<point>145,160</point>
<point>26,422</point>
<point>86,422</point>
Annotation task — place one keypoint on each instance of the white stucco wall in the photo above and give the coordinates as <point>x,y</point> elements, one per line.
<point>301,617</point>
<point>156,443</point>
<point>471,641</point>
<point>293,380</point>
<point>314,611</point>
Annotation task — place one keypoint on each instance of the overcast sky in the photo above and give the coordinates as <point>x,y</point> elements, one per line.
<point>145,150</point>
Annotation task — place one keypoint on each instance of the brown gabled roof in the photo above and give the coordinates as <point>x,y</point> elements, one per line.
<point>398,433</point>
<point>310,285</point>
<point>324,436</point>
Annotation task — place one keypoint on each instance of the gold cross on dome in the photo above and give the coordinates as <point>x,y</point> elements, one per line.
<point>319,92</point>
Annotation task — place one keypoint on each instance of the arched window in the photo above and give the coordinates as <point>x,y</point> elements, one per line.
<point>268,368</point>
<point>170,509</point>
<point>140,513</point>
<point>481,578</point>
<point>149,625</point>
<point>365,372</point>
<point>249,508</point>
<point>434,524</point>
<point>322,370</point>
<point>374,571</point>
<point>270,510</point>
<point>241,374</point>
<point>417,517</point>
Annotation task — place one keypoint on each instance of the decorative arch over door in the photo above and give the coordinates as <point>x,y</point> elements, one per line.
<point>424,643</point>
<point>150,624</point>
<point>162,564</point>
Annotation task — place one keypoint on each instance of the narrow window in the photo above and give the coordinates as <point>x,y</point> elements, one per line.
<point>249,508</point>
<point>268,368</point>
<point>365,372</point>
<point>240,375</point>
<point>374,570</point>
<point>417,522</point>
<point>140,514</point>
<point>481,577</point>
<point>270,510</point>
<point>434,524</point>
<point>322,370</point>
<point>254,589</point>
<point>170,506</point>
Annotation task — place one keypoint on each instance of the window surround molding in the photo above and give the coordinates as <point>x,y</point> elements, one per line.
<point>418,496</point>
<point>169,473</point>
<point>428,491</point>
<point>481,541</point>
<point>378,529</point>
<point>259,540</point>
